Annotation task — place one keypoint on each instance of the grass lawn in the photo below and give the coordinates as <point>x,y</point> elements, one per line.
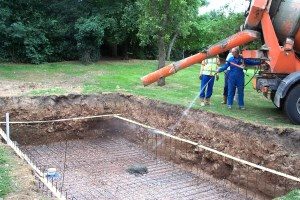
<point>5,179</point>
<point>124,76</point>
<point>293,195</point>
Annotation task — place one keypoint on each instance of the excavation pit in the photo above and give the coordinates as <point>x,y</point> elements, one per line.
<point>100,160</point>
<point>92,156</point>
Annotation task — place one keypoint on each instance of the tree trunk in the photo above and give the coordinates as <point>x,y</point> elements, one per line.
<point>161,58</point>
<point>161,42</point>
<point>125,51</point>
<point>115,50</point>
<point>86,57</point>
<point>171,46</point>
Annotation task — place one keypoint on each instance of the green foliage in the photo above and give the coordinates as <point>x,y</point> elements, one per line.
<point>209,29</point>
<point>293,195</point>
<point>162,21</point>
<point>37,46</point>
<point>26,41</point>
<point>165,18</point>
<point>39,31</point>
<point>89,36</point>
<point>23,37</point>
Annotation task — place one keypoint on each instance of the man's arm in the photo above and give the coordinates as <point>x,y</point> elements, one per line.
<point>252,62</point>
<point>224,67</point>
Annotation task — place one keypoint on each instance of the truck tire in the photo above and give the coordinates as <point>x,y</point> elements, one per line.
<point>292,104</point>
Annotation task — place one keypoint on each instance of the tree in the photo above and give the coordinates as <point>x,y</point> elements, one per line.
<point>22,35</point>
<point>163,21</point>
<point>89,36</point>
<point>121,25</point>
<point>37,31</point>
<point>209,29</point>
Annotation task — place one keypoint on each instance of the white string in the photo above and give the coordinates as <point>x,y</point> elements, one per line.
<point>60,120</point>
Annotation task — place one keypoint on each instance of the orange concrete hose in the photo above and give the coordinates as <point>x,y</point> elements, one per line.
<point>238,39</point>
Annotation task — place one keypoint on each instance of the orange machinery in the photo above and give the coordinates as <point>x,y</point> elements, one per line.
<point>278,21</point>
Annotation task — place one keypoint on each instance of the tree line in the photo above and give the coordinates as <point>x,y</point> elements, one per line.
<point>37,31</point>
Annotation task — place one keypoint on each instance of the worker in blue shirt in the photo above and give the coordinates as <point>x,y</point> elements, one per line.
<point>236,77</point>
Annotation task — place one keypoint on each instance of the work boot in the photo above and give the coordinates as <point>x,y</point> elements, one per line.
<point>224,100</point>
<point>207,102</point>
<point>202,103</point>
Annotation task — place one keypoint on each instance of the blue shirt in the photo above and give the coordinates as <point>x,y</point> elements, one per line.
<point>239,61</point>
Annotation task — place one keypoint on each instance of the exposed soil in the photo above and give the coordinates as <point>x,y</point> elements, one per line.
<point>274,148</point>
<point>29,83</point>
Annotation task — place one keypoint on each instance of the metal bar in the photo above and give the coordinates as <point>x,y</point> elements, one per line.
<point>147,142</point>
<point>7,126</point>
<point>175,151</point>
<point>156,147</point>
<point>247,183</point>
<point>170,149</point>
<point>256,183</point>
<point>265,186</point>
<point>166,144</point>
<point>239,181</point>
<point>65,161</point>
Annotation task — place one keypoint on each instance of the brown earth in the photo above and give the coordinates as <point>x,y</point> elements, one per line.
<point>274,148</point>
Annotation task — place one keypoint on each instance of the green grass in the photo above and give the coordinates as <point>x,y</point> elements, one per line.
<point>293,195</point>
<point>5,179</point>
<point>41,72</point>
<point>124,76</point>
<point>50,91</point>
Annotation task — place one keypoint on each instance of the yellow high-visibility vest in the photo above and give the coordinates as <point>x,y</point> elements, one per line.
<point>209,66</point>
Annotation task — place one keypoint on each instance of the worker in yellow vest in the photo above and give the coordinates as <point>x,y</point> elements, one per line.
<point>207,75</point>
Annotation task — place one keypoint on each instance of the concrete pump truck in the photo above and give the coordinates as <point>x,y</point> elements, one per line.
<point>277,24</point>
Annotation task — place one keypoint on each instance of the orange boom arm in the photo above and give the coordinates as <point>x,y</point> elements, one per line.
<point>238,39</point>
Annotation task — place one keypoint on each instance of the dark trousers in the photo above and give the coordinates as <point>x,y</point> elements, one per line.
<point>236,81</point>
<point>225,91</point>
<point>206,88</point>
